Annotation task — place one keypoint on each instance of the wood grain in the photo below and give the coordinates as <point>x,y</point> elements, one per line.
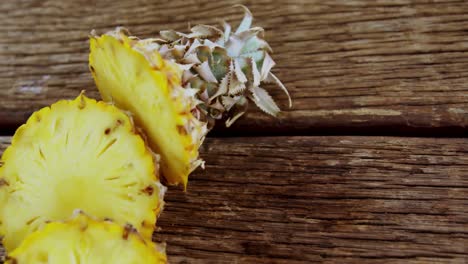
<point>382,66</point>
<point>322,199</point>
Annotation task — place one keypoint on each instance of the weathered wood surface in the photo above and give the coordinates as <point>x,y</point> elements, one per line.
<point>361,65</point>
<point>322,199</point>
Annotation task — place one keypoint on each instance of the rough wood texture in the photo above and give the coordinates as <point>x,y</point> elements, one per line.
<point>361,65</point>
<point>322,199</point>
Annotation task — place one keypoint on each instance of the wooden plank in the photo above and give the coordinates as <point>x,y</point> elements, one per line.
<point>349,64</point>
<point>322,199</point>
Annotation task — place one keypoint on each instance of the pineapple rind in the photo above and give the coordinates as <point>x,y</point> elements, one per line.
<point>132,74</point>
<point>78,154</point>
<point>86,240</point>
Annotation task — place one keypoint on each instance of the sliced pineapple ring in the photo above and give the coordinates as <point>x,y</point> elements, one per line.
<point>84,240</point>
<point>132,75</point>
<point>78,154</point>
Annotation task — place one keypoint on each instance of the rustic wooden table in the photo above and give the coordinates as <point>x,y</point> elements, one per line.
<point>369,166</point>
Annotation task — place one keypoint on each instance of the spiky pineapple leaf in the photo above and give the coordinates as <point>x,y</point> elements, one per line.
<point>229,101</point>
<point>267,64</point>
<point>169,35</point>
<point>246,21</point>
<point>193,47</point>
<point>237,42</point>
<point>255,73</point>
<point>221,62</point>
<point>204,54</point>
<point>191,59</point>
<point>205,31</point>
<point>227,32</point>
<point>237,110</point>
<point>222,88</point>
<point>264,101</point>
<point>271,78</point>
<point>238,71</point>
<point>205,72</point>
<point>236,87</point>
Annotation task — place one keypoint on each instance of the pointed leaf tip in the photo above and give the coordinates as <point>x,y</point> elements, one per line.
<point>237,110</point>
<point>239,73</point>
<point>227,31</point>
<point>169,35</point>
<point>268,63</point>
<point>255,73</point>
<point>203,31</point>
<point>246,21</point>
<point>222,88</point>
<point>205,72</point>
<point>271,78</point>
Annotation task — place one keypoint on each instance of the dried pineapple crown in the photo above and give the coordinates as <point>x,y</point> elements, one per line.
<point>225,67</point>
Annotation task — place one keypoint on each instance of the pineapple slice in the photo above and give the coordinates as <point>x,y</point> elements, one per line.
<point>84,240</point>
<point>136,79</point>
<point>78,154</point>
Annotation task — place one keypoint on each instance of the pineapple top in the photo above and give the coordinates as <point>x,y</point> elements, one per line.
<point>226,67</point>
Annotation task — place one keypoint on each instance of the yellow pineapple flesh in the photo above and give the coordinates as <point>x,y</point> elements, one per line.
<point>134,77</point>
<point>77,154</point>
<point>85,240</point>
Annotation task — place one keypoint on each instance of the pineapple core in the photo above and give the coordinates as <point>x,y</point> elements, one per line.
<point>78,154</point>
<point>84,240</point>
